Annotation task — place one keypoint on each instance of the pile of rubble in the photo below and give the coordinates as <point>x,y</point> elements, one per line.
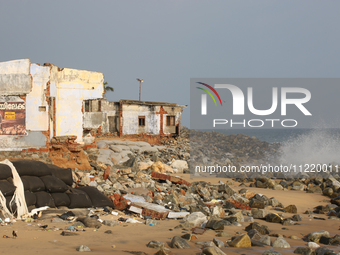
<point>235,150</point>
<point>65,152</point>
<point>141,180</point>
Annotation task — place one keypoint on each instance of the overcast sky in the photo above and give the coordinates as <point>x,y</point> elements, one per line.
<point>168,42</point>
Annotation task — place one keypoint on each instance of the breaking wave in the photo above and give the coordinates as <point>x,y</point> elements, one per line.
<point>317,146</point>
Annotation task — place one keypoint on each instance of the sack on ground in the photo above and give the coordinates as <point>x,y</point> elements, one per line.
<point>64,174</point>
<point>98,199</point>
<point>79,199</point>
<point>54,184</point>
<point>44,199</point>
<point>35,183</point>
<point>5,172</point>
<point>61,199</point>
<point>31,168</point>
<point>7,188</point>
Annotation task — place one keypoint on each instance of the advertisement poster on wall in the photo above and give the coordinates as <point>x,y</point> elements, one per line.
<point>12,118</point>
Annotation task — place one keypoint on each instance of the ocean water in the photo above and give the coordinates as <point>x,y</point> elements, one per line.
<point>280,135</point>
<point>299,146</point>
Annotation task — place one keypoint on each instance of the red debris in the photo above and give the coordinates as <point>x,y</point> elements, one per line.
<point>119,202</point>
<point>173,179</point>
<point>107,172</point>
<point>154,214</point>
<point>238,204</point>
<point>182,192</point>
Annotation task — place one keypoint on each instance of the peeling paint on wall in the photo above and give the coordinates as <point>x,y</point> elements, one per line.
<point>15,78</point>
<point>130,116</point>
<point>54,100</point>
<point>36,119</point>
<point>123,117</point>
<point>75,86</point>
<point>34,139</point>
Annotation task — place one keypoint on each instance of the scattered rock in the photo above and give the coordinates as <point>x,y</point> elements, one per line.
<point>260,228</point>
<point>189,237</point>
<point>69,233</point>
<point>218,243</point>
<point>313,245</point>
<point>164,251</point>
<point>324,251</point>
<point>213,250</point>
<point>266,240</point>
<point>83,248</point>
<point>270,252</point>
<point>110,223</point>
<point>280,242</point>
<point>241,241</point>
<point>90,222</point>
<point>196,218</point>
<point>259,213</point>
<point>155,244</point>
<point>224,234</point>
<point>315,236</point>
<point>273,217</point>
<point>304,251</point>
<point>179,243</point>
<point>291,209</point>
<point>297,217</point>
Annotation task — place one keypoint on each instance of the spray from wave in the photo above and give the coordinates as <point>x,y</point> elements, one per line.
<point>318,146</point>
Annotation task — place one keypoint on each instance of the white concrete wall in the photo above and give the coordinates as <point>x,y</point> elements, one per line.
<point>20,66</point>
<point>15,78</point>
<point>130,119</point>
<point>75,86</point>
<point>70,87</point>
<point>37,120</point>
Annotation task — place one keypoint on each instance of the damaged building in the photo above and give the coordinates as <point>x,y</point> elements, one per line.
<point>39,102</point>
<point>131,117</point>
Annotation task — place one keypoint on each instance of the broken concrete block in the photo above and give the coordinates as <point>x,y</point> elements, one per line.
<point>136,210</point>
<point>153,210</point>
<point>196,218</point>
<point>144,166</point>
<point>177,215</point>
<point>217,210</point>
<point>180,165</point>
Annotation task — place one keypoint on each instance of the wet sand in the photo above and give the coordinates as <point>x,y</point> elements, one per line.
<point>134,237</point>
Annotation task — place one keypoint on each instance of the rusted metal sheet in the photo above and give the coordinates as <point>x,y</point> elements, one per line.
<point>173,179</point>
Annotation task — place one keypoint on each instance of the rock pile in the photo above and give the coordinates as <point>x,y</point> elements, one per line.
<point>140,179</point>
<point>235,150</point>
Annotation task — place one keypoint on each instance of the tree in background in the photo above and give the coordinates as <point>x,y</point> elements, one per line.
<point>107,88</point>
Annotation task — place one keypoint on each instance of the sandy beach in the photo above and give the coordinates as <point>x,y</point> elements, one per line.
<point>132,238</point>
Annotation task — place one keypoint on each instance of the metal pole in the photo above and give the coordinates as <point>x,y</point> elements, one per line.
<point>140,87</point>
